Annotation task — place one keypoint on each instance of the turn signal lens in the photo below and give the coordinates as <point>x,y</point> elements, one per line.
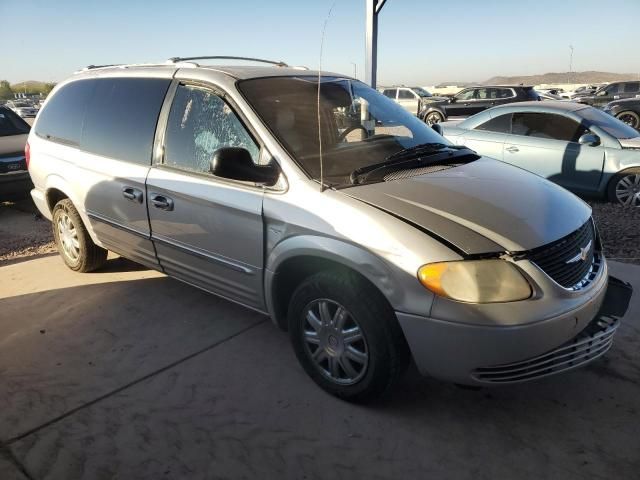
<point>476,281</point>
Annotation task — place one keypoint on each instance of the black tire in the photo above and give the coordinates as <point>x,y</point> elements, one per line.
<point>89,256</point>
<point>629,117</point>
<point>433,117</point>
<point>388,353</point>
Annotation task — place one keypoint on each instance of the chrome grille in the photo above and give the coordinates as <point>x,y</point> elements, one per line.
<point>562,260</point>
<point>591,343</point>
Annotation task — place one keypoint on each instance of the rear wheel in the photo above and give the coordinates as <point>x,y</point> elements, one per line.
<point>346,336</point>
<point>433,117</point>
<point>624,188</point>
<point>630,118</point>
<point>73,241</point>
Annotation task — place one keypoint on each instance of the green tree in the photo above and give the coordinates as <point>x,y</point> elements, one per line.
<point>5,90</point>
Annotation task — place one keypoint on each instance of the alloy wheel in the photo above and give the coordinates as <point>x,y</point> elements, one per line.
<point>68,236</point>
<point>630,119</point>
<point>628,190</point>
<point>335,342</point>
<point>432,118</point>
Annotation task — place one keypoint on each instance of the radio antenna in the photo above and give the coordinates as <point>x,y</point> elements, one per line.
<point>324,28</point>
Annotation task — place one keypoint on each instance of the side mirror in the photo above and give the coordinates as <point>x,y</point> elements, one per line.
<point>452,100</point>
<point>589,139</point>
<point>235,163</point>
<point>437,128</point>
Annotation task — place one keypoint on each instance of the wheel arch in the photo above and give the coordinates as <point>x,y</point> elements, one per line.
<point>298,258</point>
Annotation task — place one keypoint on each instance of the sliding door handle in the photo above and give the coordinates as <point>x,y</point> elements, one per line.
<point>161,201</point>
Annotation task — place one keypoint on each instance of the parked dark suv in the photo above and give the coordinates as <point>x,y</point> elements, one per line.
<point>612,91</point>
<point>626,110</point>
<point>472,100</point>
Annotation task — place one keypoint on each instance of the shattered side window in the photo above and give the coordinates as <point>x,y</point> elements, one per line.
<point>200,122</point>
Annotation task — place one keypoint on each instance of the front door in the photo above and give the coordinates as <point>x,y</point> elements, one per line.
<point>409,100</point>
<point>207,231</point>
<point>547,144</point>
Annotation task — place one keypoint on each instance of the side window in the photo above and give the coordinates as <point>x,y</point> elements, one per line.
<point>499,124</point>
<point>632,87</point>
<point>122,116</point>
<point>612,89</point>
<point>504,93</point>
<point>547,125</point>
<point>200,122</point>
<point>406,94</point>
<point>61,119</point>
<point>466,94</point>
<point>390,92</point>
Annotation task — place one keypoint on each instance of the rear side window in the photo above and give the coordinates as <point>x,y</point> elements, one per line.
<point>632,87</point>
<point>499,124</point>
<point>12,124</point>
<point>200,122</point>
<point>121,117</point>
<point>390,92</point>
<point>61,118</point>
<point>547,125</point>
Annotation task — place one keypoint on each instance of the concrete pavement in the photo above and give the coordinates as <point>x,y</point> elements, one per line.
<point>125,373</point>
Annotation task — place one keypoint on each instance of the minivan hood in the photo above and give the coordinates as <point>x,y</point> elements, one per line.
<point>482,207</point>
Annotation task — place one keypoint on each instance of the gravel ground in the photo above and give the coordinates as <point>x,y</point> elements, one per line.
<point>22,235</point>
<point>619,228</point>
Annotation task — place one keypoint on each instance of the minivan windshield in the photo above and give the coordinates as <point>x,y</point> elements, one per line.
<point>359,127</point>
<point>606,122</point>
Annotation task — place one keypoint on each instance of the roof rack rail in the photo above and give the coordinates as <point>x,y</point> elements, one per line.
<point>225,57</point>
<point>91,67</point>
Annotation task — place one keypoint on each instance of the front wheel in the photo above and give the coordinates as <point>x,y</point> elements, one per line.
<point>73,241</point>
<point>630,118</point>
<point>624,188</point>
<point>346,336</point>
<point>433,117</point>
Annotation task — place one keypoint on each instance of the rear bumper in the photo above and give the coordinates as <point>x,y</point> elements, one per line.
<point>480,355</point>
<point>15,183</point>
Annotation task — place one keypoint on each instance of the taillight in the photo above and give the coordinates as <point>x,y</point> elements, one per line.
<point>27,154</point>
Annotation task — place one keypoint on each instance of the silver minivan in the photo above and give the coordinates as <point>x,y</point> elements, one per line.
<point>318,201</point>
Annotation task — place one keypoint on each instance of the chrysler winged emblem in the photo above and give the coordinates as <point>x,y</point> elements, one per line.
<point>582,256</point>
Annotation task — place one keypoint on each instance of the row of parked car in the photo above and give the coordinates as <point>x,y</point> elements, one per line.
<point>23,108</point>
<point>620,99</point>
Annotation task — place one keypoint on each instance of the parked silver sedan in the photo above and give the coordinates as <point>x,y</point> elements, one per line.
<point>574,145</point>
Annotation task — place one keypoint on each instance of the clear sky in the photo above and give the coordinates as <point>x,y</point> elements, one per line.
<point>420,41</point>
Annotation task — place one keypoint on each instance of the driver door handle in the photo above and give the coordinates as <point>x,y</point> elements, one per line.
<point>132,194</point>
<point>512,149</point>
<point>162,202</point>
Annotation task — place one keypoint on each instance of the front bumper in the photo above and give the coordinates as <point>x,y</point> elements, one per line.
<point>484,355</point>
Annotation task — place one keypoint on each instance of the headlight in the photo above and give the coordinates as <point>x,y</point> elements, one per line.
<point>475,281</point>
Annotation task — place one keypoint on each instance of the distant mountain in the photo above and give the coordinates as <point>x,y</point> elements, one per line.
<point>32,86</point>
<point>563,77</point>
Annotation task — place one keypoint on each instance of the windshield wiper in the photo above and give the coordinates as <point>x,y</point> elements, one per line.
<point>412,157</point>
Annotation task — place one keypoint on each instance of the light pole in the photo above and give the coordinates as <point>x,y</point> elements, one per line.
<point>355,70</point>
<point>570,63</point>
<point>371,38</point>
